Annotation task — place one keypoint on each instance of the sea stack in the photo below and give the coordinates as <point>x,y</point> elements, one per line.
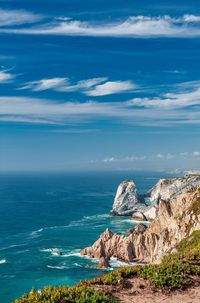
<point>127,199</point>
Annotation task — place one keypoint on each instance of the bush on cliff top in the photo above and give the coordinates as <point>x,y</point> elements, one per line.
<point>64,294</point>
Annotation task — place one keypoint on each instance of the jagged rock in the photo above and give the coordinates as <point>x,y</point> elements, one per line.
<point>176,219</point>
<point>103,263</point>
<point>140,228</point>
<point>110,245</point>
<point>126,200</point>
<point>139,216</point>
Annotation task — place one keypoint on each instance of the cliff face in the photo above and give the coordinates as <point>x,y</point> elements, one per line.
<point>168,188</point>
<point>129,202</point>
<point>176,218</point>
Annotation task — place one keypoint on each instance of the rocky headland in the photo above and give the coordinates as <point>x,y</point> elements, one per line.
<point>174,213</point>
<point>170,245</point>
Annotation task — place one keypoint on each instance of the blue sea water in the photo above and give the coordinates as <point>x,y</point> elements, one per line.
<point>40,213</point>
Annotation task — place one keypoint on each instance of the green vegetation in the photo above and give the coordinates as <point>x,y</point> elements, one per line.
<point>64,294</point>
<point>176,270</point>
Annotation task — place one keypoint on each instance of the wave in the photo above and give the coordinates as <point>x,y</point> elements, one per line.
<point>136,222</point>
<point>80,222</point>
<point>115,263</point>
<point>2,261</point>
<point>57,267</point>
<point>56,252</point>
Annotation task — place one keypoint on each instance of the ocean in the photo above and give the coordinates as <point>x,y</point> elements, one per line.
<point>41,213</point>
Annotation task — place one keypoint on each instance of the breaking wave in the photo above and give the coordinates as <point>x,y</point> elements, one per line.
<point>2,261</point>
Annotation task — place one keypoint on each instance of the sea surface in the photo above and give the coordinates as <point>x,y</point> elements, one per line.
<point>43,213</point>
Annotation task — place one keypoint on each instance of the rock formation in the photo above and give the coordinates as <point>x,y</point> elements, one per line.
<point>127,200</point>
<point>176,219</point>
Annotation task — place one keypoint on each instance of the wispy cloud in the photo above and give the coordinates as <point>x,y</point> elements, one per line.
<point>45,84</point>
<point>188,96</point>
<point>17,17</point>
<point>180,108</point>
<point>5,76</point>
<point>135,27</point>
<point>89,87</point>
<point>111,87</point>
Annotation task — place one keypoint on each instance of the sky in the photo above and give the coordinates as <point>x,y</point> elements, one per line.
<point>99,85</point>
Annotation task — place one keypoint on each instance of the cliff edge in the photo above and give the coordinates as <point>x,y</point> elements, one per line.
<point>176,218</point>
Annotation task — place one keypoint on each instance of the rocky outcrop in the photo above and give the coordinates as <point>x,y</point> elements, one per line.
<point>103,263</point>
<point>127,200</point>
<point>171,187</point>
<point>176,218</point>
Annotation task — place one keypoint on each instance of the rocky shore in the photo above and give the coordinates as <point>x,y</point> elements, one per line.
<point>173,212</point>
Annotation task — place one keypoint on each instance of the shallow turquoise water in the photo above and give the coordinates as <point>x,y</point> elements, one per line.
<point>43,212</point>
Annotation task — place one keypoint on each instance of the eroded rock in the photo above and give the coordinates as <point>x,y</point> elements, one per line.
<point>176,218</point>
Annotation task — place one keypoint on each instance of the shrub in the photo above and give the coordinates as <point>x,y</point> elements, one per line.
<point>64,294</point>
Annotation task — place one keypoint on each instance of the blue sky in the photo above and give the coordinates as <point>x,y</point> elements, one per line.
<point>99,85</point>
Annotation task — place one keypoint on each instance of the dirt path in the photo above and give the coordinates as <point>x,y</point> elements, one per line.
<point>138,293</point>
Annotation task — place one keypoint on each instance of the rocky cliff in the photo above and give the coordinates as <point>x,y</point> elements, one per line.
<point>176,218</point>
<point>129,202</point>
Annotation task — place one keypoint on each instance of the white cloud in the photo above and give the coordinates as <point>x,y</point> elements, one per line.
<point>181,109</point>
<point>172,100</point>
<point>5,76</point>
<point>135,27</point>
<point>44,84</point>
<point>191,18</point>
<point>159,156</point>
<point>196,153</point>
<point>111,87</point>
<point>90,87</point>
<point>17,17</point>
<point>83,85</point>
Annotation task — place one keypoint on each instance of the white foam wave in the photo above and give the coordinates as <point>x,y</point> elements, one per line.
<point>53,251</point>
<point>136,222</point>
<point>56,252</point>
<point>2,261</point>
<point>115,263</point>
<point>57,267</point>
